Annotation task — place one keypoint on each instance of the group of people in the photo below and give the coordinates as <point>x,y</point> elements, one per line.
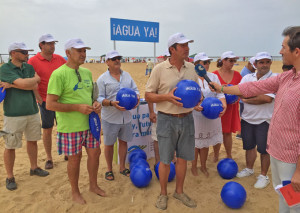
<point>65,92</point>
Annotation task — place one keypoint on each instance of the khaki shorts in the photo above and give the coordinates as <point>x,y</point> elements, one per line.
<point>15,126</point>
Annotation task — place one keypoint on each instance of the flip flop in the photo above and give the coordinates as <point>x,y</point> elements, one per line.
<point>109,176</point>
<point>125,172</point>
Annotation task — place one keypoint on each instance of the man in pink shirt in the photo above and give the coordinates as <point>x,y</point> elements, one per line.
<point>284,132</point>
<point>44,63</point>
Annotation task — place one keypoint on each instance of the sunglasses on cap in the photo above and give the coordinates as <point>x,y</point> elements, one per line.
<point>24,52</point>
<point>231,60</point>
<point>116,58</point>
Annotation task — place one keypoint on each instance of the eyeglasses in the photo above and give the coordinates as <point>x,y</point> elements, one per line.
<point>24,52</point>
<point>116,58</point>
<point>76,87</point>
<point>206,62</point>
<point>232,60</point>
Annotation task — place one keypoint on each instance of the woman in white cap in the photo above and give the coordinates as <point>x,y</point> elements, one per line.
<point>231,119</point>
<point>207,132</point>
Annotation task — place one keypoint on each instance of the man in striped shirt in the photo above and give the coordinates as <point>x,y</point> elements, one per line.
<point>284,131</point>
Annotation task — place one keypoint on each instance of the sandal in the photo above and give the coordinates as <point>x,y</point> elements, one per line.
<point>109,176</point>
<point>125,172</point>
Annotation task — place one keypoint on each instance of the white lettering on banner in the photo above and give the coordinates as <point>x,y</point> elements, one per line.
<point>131,30</point>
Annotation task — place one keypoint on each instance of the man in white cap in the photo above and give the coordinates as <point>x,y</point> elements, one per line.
<point>255,121</point>
<point>44,63</point>
<point>175,125</point>
<point>69,94</point>
<point>20,111</point>
<point>116,120</point>
<point>248,69</point>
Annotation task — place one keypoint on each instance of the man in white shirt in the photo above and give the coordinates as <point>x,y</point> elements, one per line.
<point>255,122</point>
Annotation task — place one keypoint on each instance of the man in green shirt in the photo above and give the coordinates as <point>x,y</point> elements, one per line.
<point>69,94</point>
<point>20,111</point>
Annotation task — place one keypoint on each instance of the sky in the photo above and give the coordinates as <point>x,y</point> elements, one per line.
<point>216,26</point>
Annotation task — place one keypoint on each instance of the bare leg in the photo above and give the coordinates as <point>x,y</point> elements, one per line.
<point>203,158</point>
<point>265,163</point>
<point>47,140</point>
<point>227,138</point>
<point>156,152</point>
<point>93,166</point>
<point>73,174</point>
<point>109,152</point>
<point>194,163</point>
<point>216,152</point>
<point>122,154</point>
<point>9,161</point>
<point>250,158</point>
<point>181,166</point>
<point>164,170</point>
<point>32,153</point>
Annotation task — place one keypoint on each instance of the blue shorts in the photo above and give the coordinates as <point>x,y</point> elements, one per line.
<point>113,131</point>
<point>175,134</point>
<point>255,135</point>
<point>47,116</point>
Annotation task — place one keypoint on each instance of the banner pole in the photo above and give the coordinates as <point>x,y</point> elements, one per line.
<point>154,53</point>
<point>114,44</point>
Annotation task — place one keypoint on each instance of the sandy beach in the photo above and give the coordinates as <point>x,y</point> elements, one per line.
<point>52,193</point>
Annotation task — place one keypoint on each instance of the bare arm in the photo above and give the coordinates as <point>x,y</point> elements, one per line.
<point>257,100</point>
<point>234,90</point>
<point>152,113</point>
<point>37,96</point>
<point>27,83</point>
<point>156,98</point>
<point>53,104</point>
<point>223,100</point>
<point>296,178</point>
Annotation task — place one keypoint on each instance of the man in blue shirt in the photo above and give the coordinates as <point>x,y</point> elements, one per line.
<point>116,120</point>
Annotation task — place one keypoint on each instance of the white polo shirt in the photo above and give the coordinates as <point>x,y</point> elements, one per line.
<point>257,114</point>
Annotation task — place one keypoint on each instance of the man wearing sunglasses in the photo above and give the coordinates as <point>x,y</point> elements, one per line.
<point>69,94</point>
<point>20,111</point>
<point>44,63</point>
<point>116,120</point>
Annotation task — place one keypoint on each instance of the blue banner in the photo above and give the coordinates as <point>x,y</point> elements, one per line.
<point>131,30</point>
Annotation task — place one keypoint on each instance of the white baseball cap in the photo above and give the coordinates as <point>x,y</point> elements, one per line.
<point>166,53</point>
<point>47,38</point>
<point>252,60</point>
<point>76,43</point>
<point>18,46</point>
<point>263,55</point>
<point>228,54</point>
<point>111,54</point>
<point>201,57</point>
<point>178,38</point>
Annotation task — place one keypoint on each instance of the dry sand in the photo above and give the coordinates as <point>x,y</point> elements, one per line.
<point>52,193</point>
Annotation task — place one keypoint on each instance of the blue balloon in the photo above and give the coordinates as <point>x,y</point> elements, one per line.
<point>230,99</point>
<point>233,195</point>
<point>172,171</point>
<point>95,125</point>
<point>127,98</point>
<point>136,154</point>
<point>139,161</point>
<point>2,94</point>
<point>189,92</point>
<point>140,176</point>
<point>227,168</point>
<point>211,107</point>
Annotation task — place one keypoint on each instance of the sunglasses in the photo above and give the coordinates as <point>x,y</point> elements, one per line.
<point>116,58</point>
<point>24,52</point>
<point>232,60</point>
<point>79,80</point>
<point>206,62</point>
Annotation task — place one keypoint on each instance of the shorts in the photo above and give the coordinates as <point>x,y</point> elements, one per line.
<point>113,131</point>
<point>15,126</point>
<point>175,134</point>
<point>255,135</point>
<point>241,108</point>
<point>153,132</point>
<point>47,116</point>
<point>71,143</point>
